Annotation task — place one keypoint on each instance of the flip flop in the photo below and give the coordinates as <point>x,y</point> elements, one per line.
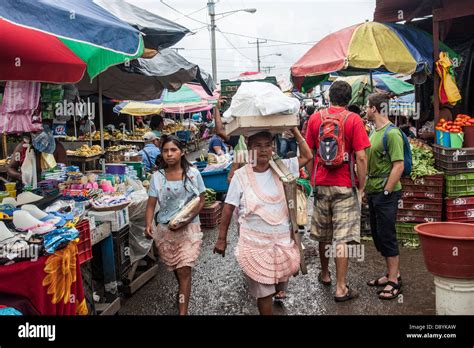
<point>376,281</point>
<point>278,297</point>
<point>351,294</point>
<point>320,279</point>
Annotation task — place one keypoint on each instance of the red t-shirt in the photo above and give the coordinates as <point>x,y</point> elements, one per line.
<point>356,140</point>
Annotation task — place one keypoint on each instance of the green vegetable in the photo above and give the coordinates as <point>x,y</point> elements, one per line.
<point>423,160</point>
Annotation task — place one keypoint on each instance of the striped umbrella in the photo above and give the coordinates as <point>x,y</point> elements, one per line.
<point>57,40</point>
<point>364,47</point>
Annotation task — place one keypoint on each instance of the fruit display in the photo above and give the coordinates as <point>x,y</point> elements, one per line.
<point>141,131</point>
<point>96,136</point>
<point>209,197</point>
<point>173,128</point>
<point>456,125</point>
<point>69,138</point>
<point>4,162</point>
<point>86,151</point>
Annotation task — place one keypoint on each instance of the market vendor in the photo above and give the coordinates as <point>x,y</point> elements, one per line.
<point>151,150</point>
<point>157,124</point>
<point>217,145</point>
<point>36,152</point>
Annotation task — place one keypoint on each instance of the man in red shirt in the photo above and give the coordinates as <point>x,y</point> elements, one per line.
<point>336,217</point>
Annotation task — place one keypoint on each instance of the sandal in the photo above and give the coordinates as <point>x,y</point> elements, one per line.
<point>351,294</point>
<point>280,295</point>
<point>395,287</point>
<point>320,279</point>
<point>376,281</point>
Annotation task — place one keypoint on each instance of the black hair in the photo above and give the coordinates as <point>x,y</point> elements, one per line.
<point>264,134</point>
<point>380,101</point>
<point>160,162</point>
<point>310,110</point>
<point>354,108</point>
<point>155,122</point>
<point>340,93</point>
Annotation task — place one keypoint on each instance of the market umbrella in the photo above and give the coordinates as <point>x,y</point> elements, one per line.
<point>49,37</point>
<point>365,47</point>
<point>362,86</point>
<point>159,32</point>
<point>144,79</point>
<point>189,98</point>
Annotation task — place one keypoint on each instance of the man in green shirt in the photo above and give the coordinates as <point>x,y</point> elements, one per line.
<point>383,192</point>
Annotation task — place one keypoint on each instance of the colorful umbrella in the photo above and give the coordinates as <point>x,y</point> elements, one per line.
<point>361,86</point>
<point>48,38</point>
<point>368,46</point>
<point>189,98</point>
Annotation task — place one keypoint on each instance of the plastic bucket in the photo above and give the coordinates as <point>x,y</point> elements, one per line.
<point>457,140</point>
<point>454,296</point>
<point>10,186</point>
<point>468,136</point>
<point>448,248</point>
<point>446,139</point>
<point>115,168</point>
<point>439,137</point>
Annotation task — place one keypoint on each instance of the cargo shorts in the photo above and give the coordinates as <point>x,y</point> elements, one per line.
<point>336,215</point>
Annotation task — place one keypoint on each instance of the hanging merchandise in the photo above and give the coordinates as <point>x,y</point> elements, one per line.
<point>44,141</point>
<point>448,90</point>
<point>20,101</point>
<point>28,168</point>
<point>59,130</point>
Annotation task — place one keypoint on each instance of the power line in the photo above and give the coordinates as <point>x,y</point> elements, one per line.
<point>235,48</point>
<point>248,47</point>
<point>189,14</point>
<point>273,40</point>
<point>181,13</point>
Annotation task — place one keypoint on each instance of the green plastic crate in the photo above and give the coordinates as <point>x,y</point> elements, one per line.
<point>460,185</point>
<point>406,233</point>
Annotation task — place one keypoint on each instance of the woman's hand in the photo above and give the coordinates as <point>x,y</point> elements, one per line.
<point>149,232</point>
<point>220,247</point>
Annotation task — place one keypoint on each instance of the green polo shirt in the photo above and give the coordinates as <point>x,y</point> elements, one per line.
<point>380,163</point>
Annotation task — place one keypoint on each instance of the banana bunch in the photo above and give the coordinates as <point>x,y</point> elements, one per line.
<point>86,151</point>
<point>209,197</point>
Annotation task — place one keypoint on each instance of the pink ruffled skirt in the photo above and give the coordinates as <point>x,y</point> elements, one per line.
<point>179,248</point>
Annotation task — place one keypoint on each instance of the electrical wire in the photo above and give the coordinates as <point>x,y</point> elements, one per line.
<point>181,13</point>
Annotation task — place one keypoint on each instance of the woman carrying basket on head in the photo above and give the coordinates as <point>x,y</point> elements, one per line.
<point>178,189</point>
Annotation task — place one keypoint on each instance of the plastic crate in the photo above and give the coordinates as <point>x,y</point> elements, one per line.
<point>460,185</point>
<point>217,180</point>
<point>211,216</point>
<point>420,204</point>
<point>454,161</point>
<point>407,215</point>
<point>438,196</point>
<point>406,232</point>
<point>84,247</point>
<point>425,186</point>
<point>460,209</point>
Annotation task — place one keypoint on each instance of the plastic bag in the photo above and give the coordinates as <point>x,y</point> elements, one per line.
<point>185,213</point>
<point>44,141</point>
<point>261,98</point>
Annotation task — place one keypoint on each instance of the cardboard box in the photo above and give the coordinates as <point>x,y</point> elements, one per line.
<point>275,123</point>
<point>100,232</point>
<point>118,219</point>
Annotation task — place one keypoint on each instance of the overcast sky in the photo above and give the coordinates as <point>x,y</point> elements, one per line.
<point>298,21</point>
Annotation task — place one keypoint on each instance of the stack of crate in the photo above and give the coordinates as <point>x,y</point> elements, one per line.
<point>421,201</point>
<point>210,217</point>
<point>458,165</point>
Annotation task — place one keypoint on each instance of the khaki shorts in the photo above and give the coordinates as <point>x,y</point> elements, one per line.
<point>336,215</point>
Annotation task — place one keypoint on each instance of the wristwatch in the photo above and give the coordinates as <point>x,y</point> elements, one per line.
<point>386,193</point>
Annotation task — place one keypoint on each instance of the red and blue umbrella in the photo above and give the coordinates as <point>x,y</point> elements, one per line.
<point>57,40</point>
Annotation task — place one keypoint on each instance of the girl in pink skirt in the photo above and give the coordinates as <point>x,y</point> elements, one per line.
<point>172,187</point>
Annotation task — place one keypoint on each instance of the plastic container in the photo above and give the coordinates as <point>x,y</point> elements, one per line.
<point>12,193</point>
<point>457,140</point>
<point>10,186</point>
<point>439,137</point>
<point>446,139</point>
<point>116,168</point>
<point>448,249</point>
<point>468,136</point>
<point>460,185</point>
<point>84,247</point>
<point>453,160</point>
<point>210,216</point>
<point>454,296</point>
<point>217,180</point>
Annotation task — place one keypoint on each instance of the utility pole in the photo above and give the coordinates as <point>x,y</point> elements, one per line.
<point>268,69</point>
<point>258,42</point>
<point>212,14</point>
